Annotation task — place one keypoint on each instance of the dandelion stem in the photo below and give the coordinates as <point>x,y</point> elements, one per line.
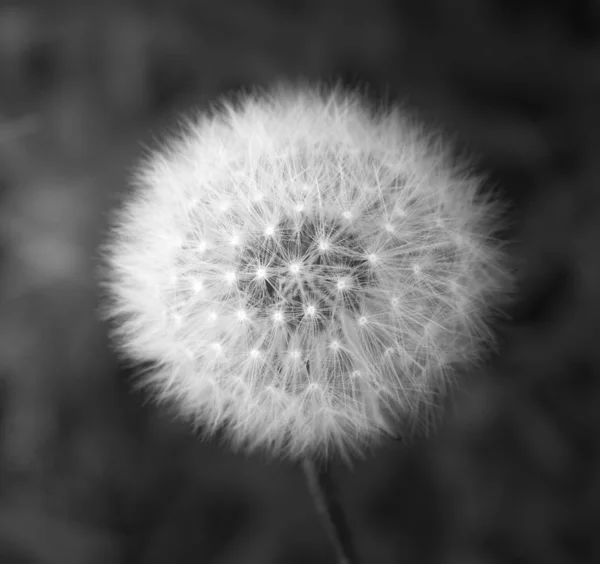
<point>325,496</point>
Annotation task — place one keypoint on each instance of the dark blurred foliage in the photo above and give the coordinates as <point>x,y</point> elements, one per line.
<point>90,471</point>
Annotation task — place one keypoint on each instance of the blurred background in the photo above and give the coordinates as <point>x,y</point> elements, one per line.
<point>91,472</point>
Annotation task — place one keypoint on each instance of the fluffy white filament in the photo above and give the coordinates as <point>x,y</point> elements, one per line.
<point>304,272</point>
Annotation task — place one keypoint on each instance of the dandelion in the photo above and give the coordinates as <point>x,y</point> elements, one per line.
<point>325,266</point>
<point>369,254</point>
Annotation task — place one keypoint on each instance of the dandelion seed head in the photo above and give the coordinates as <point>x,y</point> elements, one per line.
<point>306,272</point>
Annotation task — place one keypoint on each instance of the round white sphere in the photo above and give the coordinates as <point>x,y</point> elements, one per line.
<point>304,272</point>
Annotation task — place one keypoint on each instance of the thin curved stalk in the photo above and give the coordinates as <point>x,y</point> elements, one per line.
<point>323,491</point>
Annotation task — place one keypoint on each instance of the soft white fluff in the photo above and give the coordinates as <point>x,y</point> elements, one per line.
<point>304,272</point>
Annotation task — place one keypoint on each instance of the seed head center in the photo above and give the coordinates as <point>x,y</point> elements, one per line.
<point>303,279</point>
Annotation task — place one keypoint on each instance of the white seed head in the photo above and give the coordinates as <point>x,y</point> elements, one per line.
<point>312,333</point>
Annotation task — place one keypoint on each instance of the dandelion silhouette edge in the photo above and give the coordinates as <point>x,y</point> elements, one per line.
<point>303,272</point>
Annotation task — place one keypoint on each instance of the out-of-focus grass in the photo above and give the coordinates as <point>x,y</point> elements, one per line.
<point>89,472</point>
